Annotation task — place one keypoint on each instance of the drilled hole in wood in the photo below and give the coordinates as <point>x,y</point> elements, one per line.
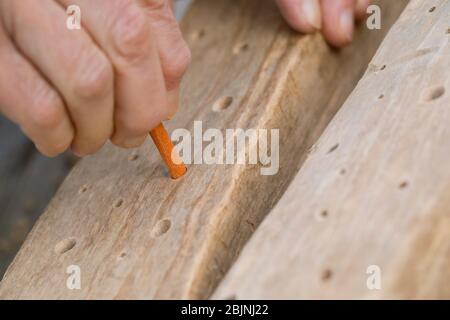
<point>118,203</point>
<point>222,104</point>
<point>448,31</point>
<point>343,172</point>
<point>322,215</point>
<point>383,67</point>
<point>432,9</point>
<point>134,157</point>
<point>403,185</point>
<point>123,255</point>
<point>333,148</point>
<point>381,96</point>
<point>197,35</point>
<point>434,93</point>
<point>327,274</point>
<point>161,228</point>
<point>242,47</point>
<point>83,189</point>
<point>65,245</point>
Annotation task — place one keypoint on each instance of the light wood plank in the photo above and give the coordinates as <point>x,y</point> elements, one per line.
<point>279,80</point>
<point>375,191</point>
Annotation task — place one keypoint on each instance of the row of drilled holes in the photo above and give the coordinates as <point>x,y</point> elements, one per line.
<point>429,95</point>
<point>160,228</point>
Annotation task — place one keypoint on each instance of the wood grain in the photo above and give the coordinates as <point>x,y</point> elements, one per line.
<point>134,232</point>
<point>375,191</point>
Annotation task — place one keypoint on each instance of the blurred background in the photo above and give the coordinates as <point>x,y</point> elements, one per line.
<point>28,181</point>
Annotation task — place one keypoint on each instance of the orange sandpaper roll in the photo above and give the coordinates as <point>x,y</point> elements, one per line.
<point>165,146</point>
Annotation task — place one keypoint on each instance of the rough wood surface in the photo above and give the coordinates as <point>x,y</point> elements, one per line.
<point>134,232</point>
<point>375,191</point>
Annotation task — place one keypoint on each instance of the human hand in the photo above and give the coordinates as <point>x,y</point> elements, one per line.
<point>335,18</point>
<point>116,78</point>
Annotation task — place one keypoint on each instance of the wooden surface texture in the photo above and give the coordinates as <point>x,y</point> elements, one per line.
<point>134,232</point>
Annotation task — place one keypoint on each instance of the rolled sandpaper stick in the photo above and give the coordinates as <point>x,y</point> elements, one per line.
<point>165,147</point>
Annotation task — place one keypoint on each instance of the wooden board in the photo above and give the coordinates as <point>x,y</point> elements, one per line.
<point>373,197</point>
<point>134,232</point>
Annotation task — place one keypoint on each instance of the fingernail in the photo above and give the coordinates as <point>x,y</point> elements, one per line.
<point>347,24</point>
<point>313,15</point>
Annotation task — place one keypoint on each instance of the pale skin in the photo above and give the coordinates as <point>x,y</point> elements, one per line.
<point>118,77</point>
